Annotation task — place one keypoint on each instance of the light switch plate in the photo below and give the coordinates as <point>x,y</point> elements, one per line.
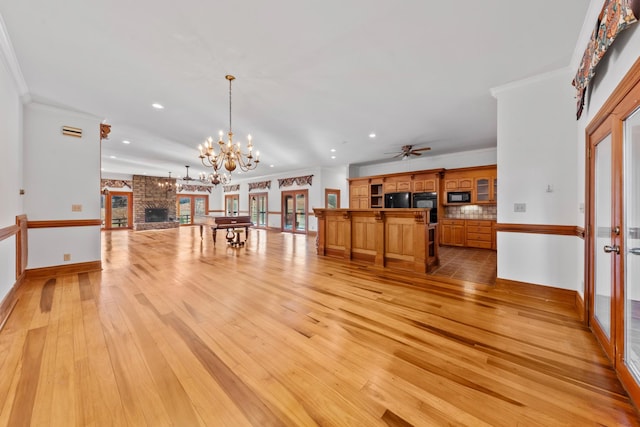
<point>76,208</point>
<point>519,207</point>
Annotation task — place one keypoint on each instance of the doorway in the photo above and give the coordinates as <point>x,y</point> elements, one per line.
<point>116,210</point>
<point>613,230</point>
<point>294,211</point>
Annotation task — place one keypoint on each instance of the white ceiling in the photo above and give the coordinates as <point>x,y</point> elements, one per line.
<point>310,75</point>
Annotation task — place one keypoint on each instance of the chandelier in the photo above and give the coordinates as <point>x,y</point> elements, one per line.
<point>167,184</point>
<point>229,155</point>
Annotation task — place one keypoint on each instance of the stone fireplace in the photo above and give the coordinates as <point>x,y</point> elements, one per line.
<point>154,207</point>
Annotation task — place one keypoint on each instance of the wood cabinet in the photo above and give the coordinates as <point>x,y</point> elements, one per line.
<point>359,194</point>
<point>458,184</point>
<point>376,197</point>
<point>479,233</point>
<point>425,185</point>
<point>486,189</point>
<point>452,232</point>
<point>395,186</point>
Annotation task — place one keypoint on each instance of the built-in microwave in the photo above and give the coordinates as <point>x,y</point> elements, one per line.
<point>459,197</point>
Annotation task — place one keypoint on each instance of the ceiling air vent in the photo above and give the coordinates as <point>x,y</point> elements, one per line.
<point>71,131</point>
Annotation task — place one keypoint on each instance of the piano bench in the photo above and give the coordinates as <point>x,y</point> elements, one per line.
<point>233,237</point>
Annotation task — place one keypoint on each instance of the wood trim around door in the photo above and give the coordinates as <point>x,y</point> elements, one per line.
<point>559,230</point>
<point>57,223</point>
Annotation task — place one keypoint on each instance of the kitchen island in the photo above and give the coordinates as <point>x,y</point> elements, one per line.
<point>395,238</point>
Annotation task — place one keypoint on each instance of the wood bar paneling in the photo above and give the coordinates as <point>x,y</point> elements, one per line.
<point>56,223</point>
<point>560,230</point>
<point>399,238</point>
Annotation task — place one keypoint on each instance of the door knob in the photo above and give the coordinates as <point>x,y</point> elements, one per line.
<point>614,248</point>
<point>635,251</point>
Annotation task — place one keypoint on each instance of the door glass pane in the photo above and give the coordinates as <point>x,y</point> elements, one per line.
<point>253,209</point>
<point>632,243</point>
<point>602,260</point>
<point>200,206</point>
<point>288,212</point>
<point>301,213</point>
<point>262,211</point>
<point>185,210</point>
<point>332,201</point>
<point>119,211</point>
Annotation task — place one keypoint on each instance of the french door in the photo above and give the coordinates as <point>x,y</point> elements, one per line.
<point>613,231</point>
<point>117,210</point>
<point>294,211</point>
<point>191,206</point>
<point>258,209</point>
<point>232,204</point>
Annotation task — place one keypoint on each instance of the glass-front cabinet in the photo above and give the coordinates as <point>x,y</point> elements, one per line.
<point>486,189</point>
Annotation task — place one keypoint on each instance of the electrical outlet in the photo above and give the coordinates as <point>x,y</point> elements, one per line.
<point>76,208</point>
<point>519,207</point>
<point>66,257</point>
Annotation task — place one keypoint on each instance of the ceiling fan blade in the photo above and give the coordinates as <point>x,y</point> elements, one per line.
<point>415,154</point>
<point>421,149</point>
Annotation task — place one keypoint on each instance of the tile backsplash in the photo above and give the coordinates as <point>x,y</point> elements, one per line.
<point>471,212</point>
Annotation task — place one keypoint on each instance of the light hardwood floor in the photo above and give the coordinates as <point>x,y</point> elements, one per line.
<point>175,332</point>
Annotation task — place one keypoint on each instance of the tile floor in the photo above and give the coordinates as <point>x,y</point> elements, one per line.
<point>470,264</point>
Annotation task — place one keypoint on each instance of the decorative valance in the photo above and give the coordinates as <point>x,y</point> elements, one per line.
<point>193,188</point>
<point>615,16</point>
<point>228,188</point>
<point>300,180</point>
<point>115,183</point>
<point>260,185</point>
<point>105,130</point>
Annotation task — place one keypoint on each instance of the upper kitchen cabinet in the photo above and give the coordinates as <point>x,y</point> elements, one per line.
<point>486,188</point>
<point>359,194</point>
<point>458,184</point>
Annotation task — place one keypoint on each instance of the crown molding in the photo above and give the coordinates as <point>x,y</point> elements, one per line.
<point>495,91</point>
<point>9,58</point>
<point>37,103</point>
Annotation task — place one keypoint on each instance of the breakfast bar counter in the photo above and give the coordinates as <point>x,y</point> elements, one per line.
<point>395,238</point>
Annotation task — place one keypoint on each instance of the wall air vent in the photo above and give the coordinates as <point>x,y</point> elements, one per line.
<point>71,131</point>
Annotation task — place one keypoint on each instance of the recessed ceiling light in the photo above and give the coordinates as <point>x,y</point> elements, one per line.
<point>372,135</point>
<point>124,141</point>
<point>270,166</point>
<point>333,150</point>
<point>333,157</point>
<point>157,106</point>
<point>112,157</point>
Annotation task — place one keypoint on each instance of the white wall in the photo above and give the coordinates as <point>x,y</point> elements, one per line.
<point>61,171</point>
<point>487,156</point>
<point>537,149</point>
<point>10,169</point>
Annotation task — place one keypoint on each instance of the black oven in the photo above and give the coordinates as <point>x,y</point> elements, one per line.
<point>427,200</point>
<point>459,197</point>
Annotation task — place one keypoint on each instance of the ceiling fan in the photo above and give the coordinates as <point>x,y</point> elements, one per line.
<point>407,150</point>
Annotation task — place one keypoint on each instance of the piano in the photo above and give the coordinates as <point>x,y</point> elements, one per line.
<point>229,223</point>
